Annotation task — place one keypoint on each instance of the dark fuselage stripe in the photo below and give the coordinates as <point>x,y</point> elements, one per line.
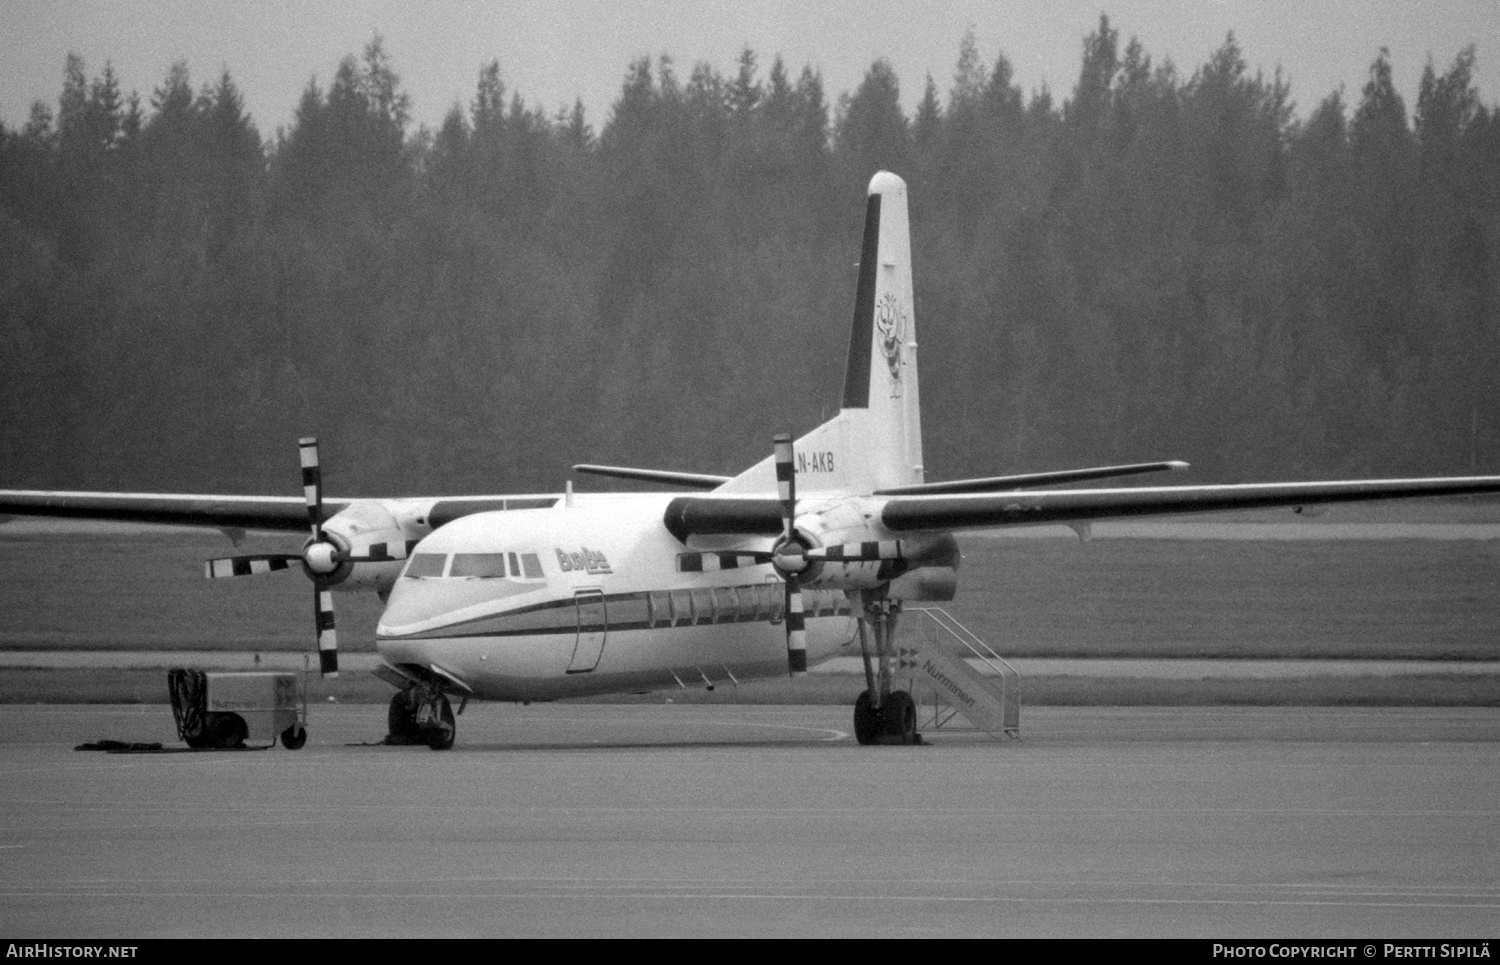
<point>561,616</point>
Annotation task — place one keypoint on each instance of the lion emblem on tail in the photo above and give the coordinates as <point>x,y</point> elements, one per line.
<point>890,325</point>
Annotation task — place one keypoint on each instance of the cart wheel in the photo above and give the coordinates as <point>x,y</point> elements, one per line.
<point>294,737</point>
<point>224,730</point>
<point>238,731</point>
<point>196,735</point>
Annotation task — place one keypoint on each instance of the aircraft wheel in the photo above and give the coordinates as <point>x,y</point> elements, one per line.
<point>866,720</point>
<point>440,734</point>
<point>294,737</point>
<point>401,719</point>
<point>899,715</point>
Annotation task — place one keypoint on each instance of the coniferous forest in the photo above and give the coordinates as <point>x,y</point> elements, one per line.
<point>1161,262</point>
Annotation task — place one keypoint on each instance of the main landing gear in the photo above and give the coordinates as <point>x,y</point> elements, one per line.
<point>882,715</point>
<point>421,715</point>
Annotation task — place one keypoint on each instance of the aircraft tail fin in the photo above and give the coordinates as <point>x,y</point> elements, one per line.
<point>875,442</point>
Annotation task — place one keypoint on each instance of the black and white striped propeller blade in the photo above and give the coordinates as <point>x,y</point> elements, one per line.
<point>313,555</point>
<point>321,558</point>
<point>328,640</point>
<point>312,485</point>
<point>253,565</point>
<point>867,552</point>
<point>789,558</point>
<point>379,553</point>
<point>700,561</point>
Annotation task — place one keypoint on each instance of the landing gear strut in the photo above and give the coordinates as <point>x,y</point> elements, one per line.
<point>882,715</point>
<point>421,715</point>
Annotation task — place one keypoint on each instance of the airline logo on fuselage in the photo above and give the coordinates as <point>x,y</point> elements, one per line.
<point>584,560</point>
<point>815,461</point>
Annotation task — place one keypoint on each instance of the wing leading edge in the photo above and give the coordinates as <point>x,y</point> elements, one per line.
<point>266,513</point>
<point>275,513</point>
<point>913,513</point>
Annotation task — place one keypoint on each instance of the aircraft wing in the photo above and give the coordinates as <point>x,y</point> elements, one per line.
<point>914,513</point>
<point>279,513</point>
<point>269,513</point>
<point>709,516</point>
<point>1032,480</point>
<point>691,480</point>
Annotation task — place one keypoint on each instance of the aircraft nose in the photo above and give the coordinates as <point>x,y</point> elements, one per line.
<point>419,605</point>
<point>410,607</point>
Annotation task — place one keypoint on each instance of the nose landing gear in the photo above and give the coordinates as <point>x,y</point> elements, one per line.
<point>421,715</point>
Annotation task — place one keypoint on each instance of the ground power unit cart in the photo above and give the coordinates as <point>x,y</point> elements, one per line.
<point>226,710</point>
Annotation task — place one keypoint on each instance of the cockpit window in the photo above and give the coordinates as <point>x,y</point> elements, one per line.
<point>483,566</point>
<point>426,566</point>
<point>474,566</point>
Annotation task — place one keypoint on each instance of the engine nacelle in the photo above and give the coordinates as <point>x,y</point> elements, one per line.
<point>934,576</point>
<point>354,530</point>
<point>926,570</point>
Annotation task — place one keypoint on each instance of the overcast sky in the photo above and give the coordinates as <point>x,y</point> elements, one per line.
<point>552,52</point>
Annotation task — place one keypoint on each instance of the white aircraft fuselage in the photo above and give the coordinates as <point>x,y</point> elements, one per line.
<point>592,600</point>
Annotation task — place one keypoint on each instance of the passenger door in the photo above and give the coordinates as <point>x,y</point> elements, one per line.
<point>592,627</point>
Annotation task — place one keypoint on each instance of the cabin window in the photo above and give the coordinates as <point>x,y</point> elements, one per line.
<point>682,608</point>
<point>478,566</point>
<point>628,612</point>
<point>515,565</point>
<point>661,610</point>
<point>703,606</point>
<point>531,566</point>
<point>752,604</point>
<point>426,566</point>
<point>726,606</point>
<point>775,600</point>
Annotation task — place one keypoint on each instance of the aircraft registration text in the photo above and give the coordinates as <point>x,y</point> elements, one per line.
<point>815,461</point>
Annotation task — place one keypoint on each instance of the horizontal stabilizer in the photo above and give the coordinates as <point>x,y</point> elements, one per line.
<point>691,480</point>
<point>1031,480</point>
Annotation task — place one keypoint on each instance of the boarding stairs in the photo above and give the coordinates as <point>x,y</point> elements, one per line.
<point>962,674</point>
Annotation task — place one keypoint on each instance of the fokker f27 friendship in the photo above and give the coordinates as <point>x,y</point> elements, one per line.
<point>816,547</point>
